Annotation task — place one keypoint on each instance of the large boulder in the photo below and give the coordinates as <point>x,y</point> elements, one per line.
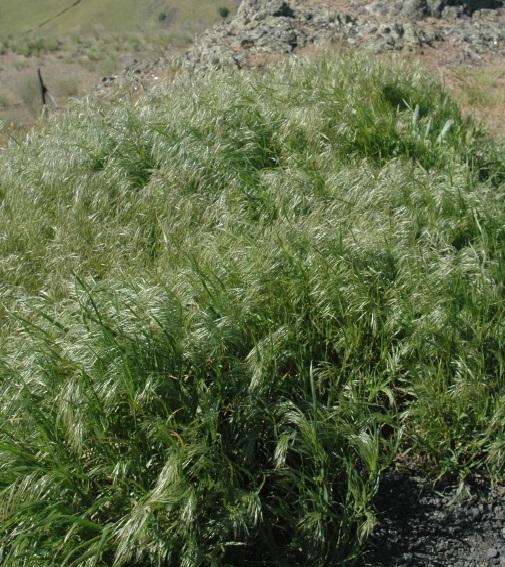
<point>261,9</point>
<point>411,9</point>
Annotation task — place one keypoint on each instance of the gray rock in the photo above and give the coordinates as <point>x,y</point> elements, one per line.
<point>492,553</point>
<point>261,9</point>
<point>411,9</point>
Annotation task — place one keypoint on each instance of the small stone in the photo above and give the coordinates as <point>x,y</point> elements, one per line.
<point>492,553</point>
<point>499,513</point>
<point>475,514</point>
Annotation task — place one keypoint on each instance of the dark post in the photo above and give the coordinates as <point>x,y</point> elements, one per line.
<point>43,88</point>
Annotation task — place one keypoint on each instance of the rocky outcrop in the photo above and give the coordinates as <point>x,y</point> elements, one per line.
<point>419,9</point>
<point>264,27</point>
<point>462,30</point>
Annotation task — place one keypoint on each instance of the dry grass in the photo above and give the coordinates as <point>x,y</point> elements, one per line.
<point>480,92</point>
<point>479,89</point>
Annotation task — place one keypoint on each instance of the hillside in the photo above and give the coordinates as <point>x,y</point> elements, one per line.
<point>78,43</point>
<point>61,17</point>
<point>248,315</point>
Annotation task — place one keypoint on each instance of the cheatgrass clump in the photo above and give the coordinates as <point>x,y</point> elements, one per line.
<point>139,433</point>
<point>227,307</point>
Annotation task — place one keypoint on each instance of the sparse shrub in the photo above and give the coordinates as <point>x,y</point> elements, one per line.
<point>65,87</point>
<point>28,89</point>
<point>224,12</point>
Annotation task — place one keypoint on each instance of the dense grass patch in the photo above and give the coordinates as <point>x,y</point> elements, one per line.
<point>229,306</point>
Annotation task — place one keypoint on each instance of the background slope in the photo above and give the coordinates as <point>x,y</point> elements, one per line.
<point>108,15</point>
<point>89,40</point>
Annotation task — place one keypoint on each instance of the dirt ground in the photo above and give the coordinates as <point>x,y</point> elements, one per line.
<point>426,526</point>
